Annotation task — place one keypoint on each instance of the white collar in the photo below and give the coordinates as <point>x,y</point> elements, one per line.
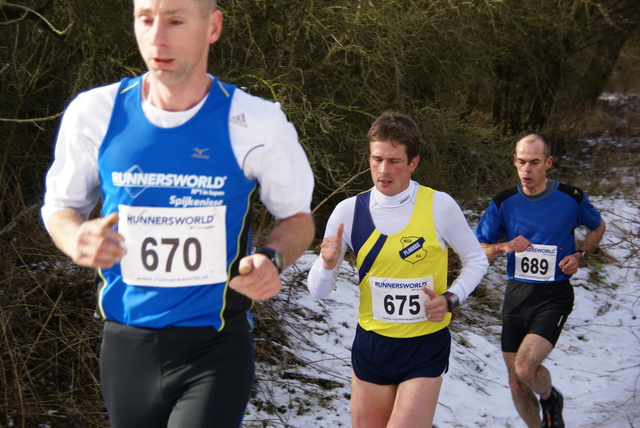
<point>168,119</point>
<point>395,201</point>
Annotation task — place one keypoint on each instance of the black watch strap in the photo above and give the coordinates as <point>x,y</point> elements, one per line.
<point>584,255</point>
<point>453,301</point>
<point>275,256</point>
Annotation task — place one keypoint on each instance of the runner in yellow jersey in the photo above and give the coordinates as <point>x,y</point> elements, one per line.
<point>400,232</point>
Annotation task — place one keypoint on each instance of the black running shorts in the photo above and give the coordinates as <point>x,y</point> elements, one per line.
<point>540,309</point>
<point>389,361</point>
<point>175,377</point>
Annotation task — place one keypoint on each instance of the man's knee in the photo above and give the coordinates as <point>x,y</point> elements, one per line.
<point>525,374</point>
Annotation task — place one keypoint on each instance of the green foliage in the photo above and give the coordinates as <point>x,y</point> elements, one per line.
<point>472,74</point>
<point>48,52</point>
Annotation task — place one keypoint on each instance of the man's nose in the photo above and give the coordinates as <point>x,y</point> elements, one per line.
<point>159,33</point>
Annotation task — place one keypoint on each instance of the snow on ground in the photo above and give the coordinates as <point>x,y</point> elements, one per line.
<point>596,364</point>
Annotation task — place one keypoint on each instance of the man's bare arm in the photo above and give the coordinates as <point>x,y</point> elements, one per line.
<point>593,238</point>
<point>292,236</point>
<point>517,244</point>
<point>89,243</point>
<point>259,279</point>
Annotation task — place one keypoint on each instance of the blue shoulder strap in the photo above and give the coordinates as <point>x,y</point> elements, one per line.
<point>361,230</point>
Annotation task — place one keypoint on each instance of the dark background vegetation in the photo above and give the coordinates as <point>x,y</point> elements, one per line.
<point>472,73</point>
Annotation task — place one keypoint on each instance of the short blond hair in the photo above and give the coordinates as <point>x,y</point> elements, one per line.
<point>534,136</point>
<point>208,6</point>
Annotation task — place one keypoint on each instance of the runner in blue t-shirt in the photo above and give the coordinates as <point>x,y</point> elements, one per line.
<point>537,220</point>
<point>177,159</point>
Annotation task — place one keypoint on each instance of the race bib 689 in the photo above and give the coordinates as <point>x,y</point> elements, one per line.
<point>537,263</point>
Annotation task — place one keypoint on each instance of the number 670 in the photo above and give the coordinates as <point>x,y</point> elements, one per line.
<point>150,258</point>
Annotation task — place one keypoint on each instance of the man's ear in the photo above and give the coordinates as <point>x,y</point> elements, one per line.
<point>215,23</point>
<point>414,163</point>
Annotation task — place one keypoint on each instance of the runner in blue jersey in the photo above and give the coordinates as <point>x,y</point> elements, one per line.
<point>533,224</point>
<point>401,233</point>
<point>177,158</point>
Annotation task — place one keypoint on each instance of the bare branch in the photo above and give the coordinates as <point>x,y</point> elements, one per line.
<point>32,120</point>
<point>339,189</point>
<point>29,10</point>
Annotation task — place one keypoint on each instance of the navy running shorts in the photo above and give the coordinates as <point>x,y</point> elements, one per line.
<point>540,309</point>
<point>175,377</point>
<point>389,361</point>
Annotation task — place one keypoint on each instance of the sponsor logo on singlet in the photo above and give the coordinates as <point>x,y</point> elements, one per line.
<point>200,153</point>
<point>412,249</point>
<point>135,181</point>
<point>239,120</point>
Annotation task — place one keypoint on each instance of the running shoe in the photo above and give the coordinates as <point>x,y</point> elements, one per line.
<point>552,410</point>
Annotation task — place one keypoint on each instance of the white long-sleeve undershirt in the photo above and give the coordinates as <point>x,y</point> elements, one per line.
<point>390,214</point>
<point>264,142</point>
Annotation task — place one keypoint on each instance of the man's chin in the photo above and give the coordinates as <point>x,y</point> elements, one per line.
<point>385,190</point>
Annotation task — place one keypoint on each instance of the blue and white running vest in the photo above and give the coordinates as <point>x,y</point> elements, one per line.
<point>185,209</point>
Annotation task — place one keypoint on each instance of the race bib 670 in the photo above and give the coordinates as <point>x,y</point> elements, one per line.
<point>173,247</point>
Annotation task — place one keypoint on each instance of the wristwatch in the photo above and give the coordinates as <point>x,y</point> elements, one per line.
<point>584,255</point>
<point>453,301</point>
<point>275,256</point>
